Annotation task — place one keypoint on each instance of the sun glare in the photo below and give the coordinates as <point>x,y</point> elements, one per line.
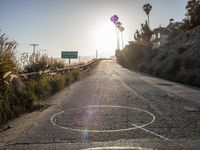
<point>105,39</point>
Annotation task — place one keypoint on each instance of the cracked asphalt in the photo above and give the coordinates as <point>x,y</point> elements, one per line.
<point>112,108</point>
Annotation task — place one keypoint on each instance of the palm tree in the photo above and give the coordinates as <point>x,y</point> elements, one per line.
<point>118,25</point>
<point>121,29</point>
<point>147,8</point>
<point>115,19</point>
<point>171,20</point>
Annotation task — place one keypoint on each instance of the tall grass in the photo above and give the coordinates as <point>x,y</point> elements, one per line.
<point>43,63</point>
<point>22,95</point>
<point>41,88</point>
<point>12,97</point>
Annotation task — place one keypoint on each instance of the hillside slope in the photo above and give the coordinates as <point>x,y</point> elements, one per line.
<point>177,60</point>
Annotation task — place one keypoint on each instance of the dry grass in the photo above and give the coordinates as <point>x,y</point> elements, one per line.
<point>10,83</point>
<point>18,96</point>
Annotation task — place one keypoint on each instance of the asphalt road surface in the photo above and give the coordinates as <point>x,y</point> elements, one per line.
<point>112,108</point>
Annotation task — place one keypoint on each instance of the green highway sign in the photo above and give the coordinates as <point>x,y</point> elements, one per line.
<point>69,54</point>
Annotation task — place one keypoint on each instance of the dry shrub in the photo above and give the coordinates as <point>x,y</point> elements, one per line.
<point>144,67</point>
<point>134,54</point>
<point>43,63</point>
<point>13,99</point>
<point>163,56</point>
<point>189,63</point>
<point>174,65</point>
<point>181,50</point>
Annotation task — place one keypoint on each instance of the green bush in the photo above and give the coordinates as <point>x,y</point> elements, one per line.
<point>75,75</point>
<point>181,50</point>
<point>57,83</point>
<point>38,89</point>
<point>68,79</point>
<point>132,55</point>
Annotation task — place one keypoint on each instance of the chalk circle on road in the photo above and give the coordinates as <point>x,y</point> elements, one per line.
<point>116,148</point>
<point>54,119</point>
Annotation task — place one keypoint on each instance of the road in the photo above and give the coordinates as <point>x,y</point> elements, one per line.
<point>112,108</point>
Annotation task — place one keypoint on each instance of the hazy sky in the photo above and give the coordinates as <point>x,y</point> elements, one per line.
<point>82,25</point>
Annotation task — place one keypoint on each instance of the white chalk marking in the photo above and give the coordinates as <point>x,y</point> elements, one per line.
<point>117,148</point>
<point>142,128</point>
<point>101,131</point>
<point>160,136</point>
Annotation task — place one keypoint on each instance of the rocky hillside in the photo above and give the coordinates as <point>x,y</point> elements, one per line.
<point>177,60</point>
<point>187,45</point>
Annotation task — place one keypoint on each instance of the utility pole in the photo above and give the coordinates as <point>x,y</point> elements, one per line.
<point>96,54</point>
<point>34,45</point>
<point>69,61</point>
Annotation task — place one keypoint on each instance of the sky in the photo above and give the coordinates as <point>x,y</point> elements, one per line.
<point>80,25</point>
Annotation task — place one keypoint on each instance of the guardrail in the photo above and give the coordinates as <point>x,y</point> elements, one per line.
<point>82,67</point>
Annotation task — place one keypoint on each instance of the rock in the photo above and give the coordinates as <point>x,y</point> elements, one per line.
<point>191,109</point>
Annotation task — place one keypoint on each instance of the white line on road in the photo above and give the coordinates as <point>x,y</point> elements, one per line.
<point>101,131</point>
<point>51,119</point>
<point>160,136</point>
<point>142,128</point>
<point>117,148</point>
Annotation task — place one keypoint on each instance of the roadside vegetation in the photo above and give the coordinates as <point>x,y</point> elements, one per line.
<point>19,93</point>
<point>172,61</point>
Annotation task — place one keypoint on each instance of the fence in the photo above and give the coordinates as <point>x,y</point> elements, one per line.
<point>81,67</point>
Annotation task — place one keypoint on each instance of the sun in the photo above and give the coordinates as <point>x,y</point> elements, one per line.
<point>105,38</point>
